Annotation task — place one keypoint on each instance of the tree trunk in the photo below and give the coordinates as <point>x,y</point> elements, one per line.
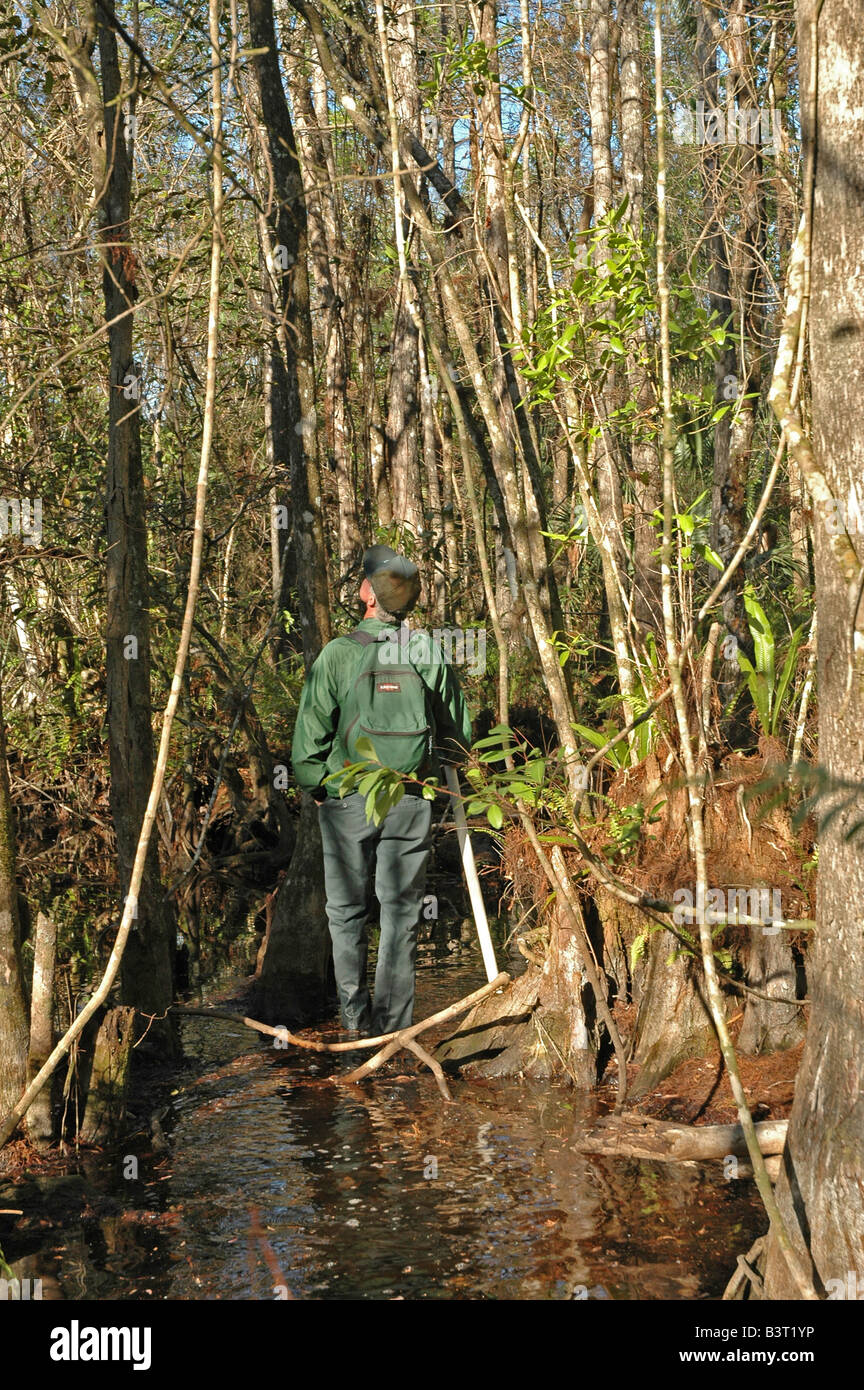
<point>638,1136</point>
<point>13,1009</point>
<point>820,1192</point>
<point>674,1022</point>
<point>333,282</point>
<point>105,1110</point>
<point>147,968</point>
<point>294,972</point>
<point>734,431</point>
<point>286,219</point>
<point>647,606</point>
<point>403,415</point>
<point>771,969</point>
<point>293,986</point>
<point>39,1116</point>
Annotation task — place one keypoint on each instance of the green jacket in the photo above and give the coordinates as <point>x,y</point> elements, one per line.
<point>317,749</point>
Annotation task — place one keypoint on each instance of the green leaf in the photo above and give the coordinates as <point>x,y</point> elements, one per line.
<point>592,736</point>
<point>763,637</point>
<point>786,676</point>
<point>366,783</point>
<point>494,739</point>
<point>364,747</point>
<point>637,950</point>
<point>495,817</point>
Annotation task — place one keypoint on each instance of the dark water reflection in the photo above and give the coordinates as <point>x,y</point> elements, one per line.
<point>279,1180</point>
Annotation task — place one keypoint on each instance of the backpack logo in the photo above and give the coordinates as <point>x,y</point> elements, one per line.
<point>388,685</point>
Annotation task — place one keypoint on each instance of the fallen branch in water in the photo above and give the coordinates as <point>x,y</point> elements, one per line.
<point>748,1270</point>
<point>638,1136</point>
<point>387,1043</point>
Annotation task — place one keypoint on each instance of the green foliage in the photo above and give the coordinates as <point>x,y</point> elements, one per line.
<point>625,825</point>
<point>570,645</point>
<point>602,316</point>
<point>769,688</point>
<point>690,530</point>
<point>645,735</point>
<point>381,786</point>
<point>467,63</point>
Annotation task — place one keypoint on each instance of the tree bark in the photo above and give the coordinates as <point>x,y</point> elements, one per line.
<point>645,466</point>
<point>13,1009</point>
<point>293,985</point>
<point>403,415</point>
<point>674,1020</point>
<point>820,1191</point>
<point>631,1135</point>
<point>147,970</point>
<point>733,378</point>
<point>286,219</point>
<point>294,972</point>
<point>39,1117</point>
<point>771,969</point>
<point>333,281</point>
<point>109,1074</point>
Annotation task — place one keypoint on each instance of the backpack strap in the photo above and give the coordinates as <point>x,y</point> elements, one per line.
<point>366,639</point>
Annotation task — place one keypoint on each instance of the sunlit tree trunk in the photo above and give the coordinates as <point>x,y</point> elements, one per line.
<point>333,282</point>
<point>13,1010</point>
<point>731,458</point>
<point>403,414</point>
<point>820,1190</point>
<point>647,609</point>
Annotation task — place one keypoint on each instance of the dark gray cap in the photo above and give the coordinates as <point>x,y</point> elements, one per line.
<point>395,578</point>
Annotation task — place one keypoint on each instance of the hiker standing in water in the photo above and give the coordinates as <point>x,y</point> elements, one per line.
<point>395,690</point>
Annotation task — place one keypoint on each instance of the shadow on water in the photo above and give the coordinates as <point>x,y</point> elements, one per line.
<point>279,1183</point>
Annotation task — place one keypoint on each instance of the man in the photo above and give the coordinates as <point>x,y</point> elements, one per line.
<point>404,699</point>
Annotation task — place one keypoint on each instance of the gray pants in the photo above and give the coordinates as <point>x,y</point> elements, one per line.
<point>397,851</point>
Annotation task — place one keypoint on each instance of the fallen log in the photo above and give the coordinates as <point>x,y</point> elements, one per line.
<point>387,1043</point>
<point>630,1135</point>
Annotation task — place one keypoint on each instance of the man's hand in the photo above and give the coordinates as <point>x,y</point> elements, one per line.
<point>318,794</point>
